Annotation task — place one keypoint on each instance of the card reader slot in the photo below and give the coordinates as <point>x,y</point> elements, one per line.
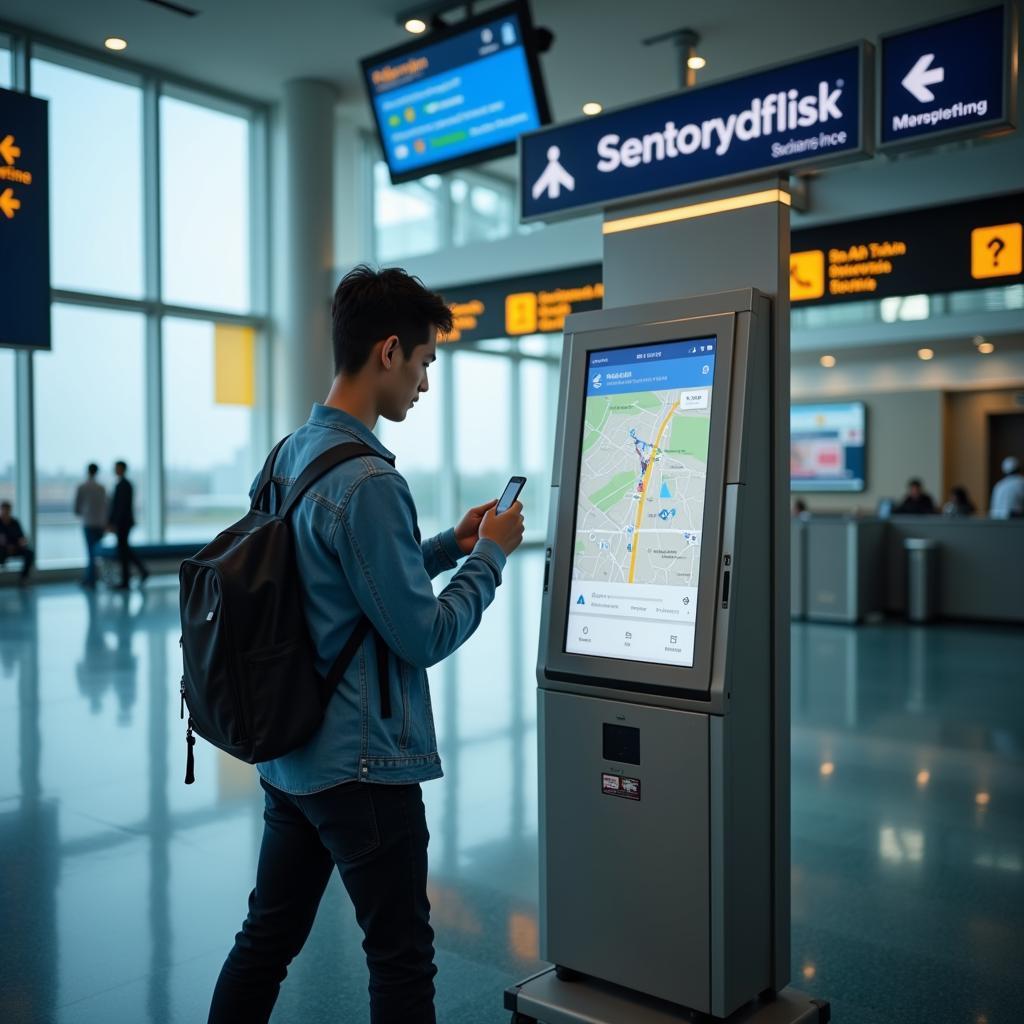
<point>725,588</point>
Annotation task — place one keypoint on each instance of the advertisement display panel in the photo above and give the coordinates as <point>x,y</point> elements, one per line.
<point>826,447</point>
<point>640,502</point>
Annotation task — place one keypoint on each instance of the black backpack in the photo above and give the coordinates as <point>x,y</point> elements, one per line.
<point>250,681</point>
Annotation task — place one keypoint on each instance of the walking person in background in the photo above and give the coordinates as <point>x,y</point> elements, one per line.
<point>91,507</point>
<point>121,521</point>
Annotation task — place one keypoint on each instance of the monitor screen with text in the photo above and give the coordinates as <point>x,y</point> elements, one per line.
<point>640,502</point>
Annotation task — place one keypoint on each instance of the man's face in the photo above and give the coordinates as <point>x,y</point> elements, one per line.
<point>915,490</point>
<point>407,378</point>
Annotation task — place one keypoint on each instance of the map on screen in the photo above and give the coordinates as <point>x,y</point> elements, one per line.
<point>640,502</point>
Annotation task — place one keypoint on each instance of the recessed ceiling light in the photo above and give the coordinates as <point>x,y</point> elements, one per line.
<point>986,348</point>
<point>592,108</point>
<point>696,63</point>
<point>417,26</point>
<point>925,354</point>
<point>982,799</point>
<point>827,768</point>
<point>923,777</point>
<point>828,362</point>
<point>115,43</point>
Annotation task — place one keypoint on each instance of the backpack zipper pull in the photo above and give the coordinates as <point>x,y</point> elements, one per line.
<point>190,761</point>
<point>182,714</point>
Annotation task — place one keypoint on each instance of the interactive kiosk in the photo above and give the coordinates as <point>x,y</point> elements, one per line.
<point>658,758</point>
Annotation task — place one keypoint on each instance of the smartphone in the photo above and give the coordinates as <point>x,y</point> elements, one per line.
<point>509,495</point>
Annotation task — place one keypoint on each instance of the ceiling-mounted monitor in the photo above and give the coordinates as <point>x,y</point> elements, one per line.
<point>462,95</point>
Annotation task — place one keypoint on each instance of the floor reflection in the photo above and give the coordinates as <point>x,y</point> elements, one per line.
<point>120,888</point>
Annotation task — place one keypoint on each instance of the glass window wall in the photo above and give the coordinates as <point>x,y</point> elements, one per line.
<point>89,407</point>
<point>95,179</point>
<point>8,432</point>
<point>205,175</point>
<point>418,446</point>
<point>210,452</point>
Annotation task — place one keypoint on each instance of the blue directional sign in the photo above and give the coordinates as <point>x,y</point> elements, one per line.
<point>949,78</point>
<point>24,222</point>
<point>802,114</point>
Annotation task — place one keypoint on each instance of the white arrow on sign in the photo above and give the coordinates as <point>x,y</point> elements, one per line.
<point>920,76</point>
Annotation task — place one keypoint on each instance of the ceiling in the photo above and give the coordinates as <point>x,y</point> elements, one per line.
<point>252,47</point>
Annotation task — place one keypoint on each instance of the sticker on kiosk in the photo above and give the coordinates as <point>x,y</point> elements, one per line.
<point>621,786</point>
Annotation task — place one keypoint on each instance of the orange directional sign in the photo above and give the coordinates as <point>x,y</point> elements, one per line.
<point>24,222</point>
<point>8,204</point>
<point>8,150</point>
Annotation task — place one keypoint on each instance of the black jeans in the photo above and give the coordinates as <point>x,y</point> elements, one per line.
<point>93,535</point>
<point>377,837</point>
<point>27,556</point>
<point>128,558</point>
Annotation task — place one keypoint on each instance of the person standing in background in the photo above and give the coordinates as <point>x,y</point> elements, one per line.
<point>91,507</point>
<point>121,521</point>
<point>1008,494</point>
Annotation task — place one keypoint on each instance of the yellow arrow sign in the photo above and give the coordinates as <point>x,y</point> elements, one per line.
<point>8,150</point>
<point>8,204</point>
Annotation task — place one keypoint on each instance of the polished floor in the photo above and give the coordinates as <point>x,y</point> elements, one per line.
<point>121,889</point>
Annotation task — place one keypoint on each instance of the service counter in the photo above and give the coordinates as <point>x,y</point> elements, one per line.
<point>847,568</point>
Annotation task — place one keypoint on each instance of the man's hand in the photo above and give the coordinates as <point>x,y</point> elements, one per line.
<point>505,530</point>
<point>468,531</point>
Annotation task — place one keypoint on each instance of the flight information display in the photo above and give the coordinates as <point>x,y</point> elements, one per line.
<point>464,98</point>
<point>640,502</point>
<point>826,447</point>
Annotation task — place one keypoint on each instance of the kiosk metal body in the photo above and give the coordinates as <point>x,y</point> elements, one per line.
<point>658,765</point>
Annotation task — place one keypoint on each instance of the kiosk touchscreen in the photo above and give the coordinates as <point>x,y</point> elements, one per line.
<point>640,502</point>
<point>655,702</point>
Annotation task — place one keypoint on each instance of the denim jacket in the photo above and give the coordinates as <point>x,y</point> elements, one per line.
<point>357,549</point>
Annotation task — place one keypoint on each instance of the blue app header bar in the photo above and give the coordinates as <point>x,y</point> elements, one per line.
<point>950,77</point>
<point>661,367</point>
<point>803,113</point>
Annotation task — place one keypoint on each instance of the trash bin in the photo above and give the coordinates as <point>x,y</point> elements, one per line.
<point>922,578</point>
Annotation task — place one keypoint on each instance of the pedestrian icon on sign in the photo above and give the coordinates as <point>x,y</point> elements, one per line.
<point>554,177</point>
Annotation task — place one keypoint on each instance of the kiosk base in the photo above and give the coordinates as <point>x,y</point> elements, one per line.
<point>544,999</point>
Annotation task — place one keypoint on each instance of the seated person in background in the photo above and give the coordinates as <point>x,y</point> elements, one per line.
<point>959,503</point>
<point>1008,494</point>
<point>916,502</point>
<point>799,508</point>
<point>13,542</point>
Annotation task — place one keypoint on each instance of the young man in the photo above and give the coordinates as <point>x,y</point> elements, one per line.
<point>91,506</point>
<point>350,798</point>
<point>122,519</point>
<point>13,542</point>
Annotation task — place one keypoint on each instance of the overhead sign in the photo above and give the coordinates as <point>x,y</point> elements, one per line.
<point>515,306</point>
<point>24,222</point>
<point>802,114</point>
<point>950,78</point>
<point>960,246</point>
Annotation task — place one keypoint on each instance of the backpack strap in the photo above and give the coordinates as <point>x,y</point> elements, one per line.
<point>321,464</point>
<point>317,468</point>
<point>267,476</point>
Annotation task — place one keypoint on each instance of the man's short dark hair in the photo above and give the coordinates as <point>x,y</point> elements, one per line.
<point>6,504</point>
<point>370,305</point>
<point>92,469</point>
<point>121,464</point>
<point>914,482</point>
